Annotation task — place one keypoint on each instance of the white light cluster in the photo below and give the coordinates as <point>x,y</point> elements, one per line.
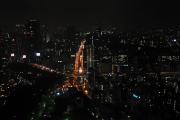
<point>12,54</point>
<point>24,56</point>
<point>38,54</point>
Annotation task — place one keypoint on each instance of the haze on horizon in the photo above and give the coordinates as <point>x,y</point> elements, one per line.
<point>125,14</point>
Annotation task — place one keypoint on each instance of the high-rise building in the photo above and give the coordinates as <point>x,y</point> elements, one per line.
<point>1,42</point>
<point>19,39</point>
<point>33,39</point>
<point>5,44</point>
<point>90,56</point>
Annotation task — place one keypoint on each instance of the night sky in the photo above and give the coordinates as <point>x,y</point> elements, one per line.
<point>125,14</point>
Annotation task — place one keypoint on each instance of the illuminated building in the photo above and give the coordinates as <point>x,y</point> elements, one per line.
<point>90,56</point>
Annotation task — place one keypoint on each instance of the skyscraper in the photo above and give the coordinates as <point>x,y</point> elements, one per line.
<point>33,39</point>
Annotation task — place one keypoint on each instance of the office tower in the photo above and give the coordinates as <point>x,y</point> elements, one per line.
<point>33,40</point>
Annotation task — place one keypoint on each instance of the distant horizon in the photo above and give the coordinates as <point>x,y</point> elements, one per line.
<point>127,15</point>
<point>11,27</point>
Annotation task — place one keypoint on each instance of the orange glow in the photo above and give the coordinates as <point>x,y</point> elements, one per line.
<point>80,70</point>
<point>86,92</point>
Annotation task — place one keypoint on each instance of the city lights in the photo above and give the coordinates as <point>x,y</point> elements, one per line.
<point>59,61</point>
<point>106,69</point>
<point>24,56</point>
<point>86,92</point>
<point>136,96</point>
<point>80,70</point>
<point>73,55</point>
<point>38,54</point>
<point>12,54</point>
<point>58,93</point>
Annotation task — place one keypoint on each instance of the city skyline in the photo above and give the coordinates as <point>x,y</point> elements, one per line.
<point>89,60</point>
<point>125,14</point>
